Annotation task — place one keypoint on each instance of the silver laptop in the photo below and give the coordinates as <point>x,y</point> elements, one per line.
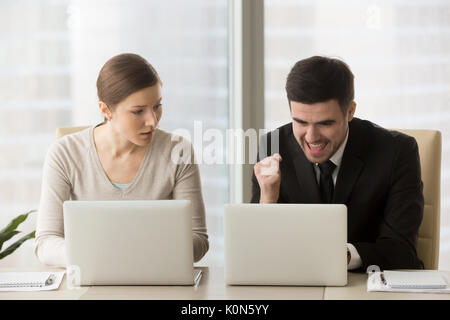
<point>129,242</point>
<point>285,244</point>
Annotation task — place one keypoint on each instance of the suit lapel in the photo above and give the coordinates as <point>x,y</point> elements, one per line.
<point>348,174</point>
<point>351,166</point>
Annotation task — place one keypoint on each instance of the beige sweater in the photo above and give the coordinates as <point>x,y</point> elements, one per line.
<point>72,171</point>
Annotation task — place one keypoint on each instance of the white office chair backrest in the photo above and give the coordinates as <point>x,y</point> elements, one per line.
<point>430,148</point>
<point>60,132</point>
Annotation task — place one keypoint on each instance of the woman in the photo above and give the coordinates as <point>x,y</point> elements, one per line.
<point>124,158</point>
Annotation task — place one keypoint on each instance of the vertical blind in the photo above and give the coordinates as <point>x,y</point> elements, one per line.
<point>35,98</point>
<point>53,51</point>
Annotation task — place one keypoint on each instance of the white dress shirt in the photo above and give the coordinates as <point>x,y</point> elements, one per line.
<point>355,260</point>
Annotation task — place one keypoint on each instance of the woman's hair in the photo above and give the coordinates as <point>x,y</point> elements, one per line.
<point>123,75</point>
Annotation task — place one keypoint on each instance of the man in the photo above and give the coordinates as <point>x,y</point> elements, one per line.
<point>328,156</point>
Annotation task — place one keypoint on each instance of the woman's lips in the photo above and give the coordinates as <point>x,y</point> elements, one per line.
<point>147,134</point>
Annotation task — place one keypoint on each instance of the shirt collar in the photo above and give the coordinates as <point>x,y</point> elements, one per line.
<point>336,158</point>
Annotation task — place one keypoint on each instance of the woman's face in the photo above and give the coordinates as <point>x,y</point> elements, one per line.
<point>137,116</point>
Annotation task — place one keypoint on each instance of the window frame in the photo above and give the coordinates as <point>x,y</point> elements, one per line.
<point>246,85</point>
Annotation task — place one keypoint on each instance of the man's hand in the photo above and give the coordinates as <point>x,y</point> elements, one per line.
<point>267,172</point>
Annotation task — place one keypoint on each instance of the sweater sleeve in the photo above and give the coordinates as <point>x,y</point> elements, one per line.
<point>188,187</point>
<point>55,189</point>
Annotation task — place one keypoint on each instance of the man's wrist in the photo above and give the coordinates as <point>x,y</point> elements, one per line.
<point>267,199</point>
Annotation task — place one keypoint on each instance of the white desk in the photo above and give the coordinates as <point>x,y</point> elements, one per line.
<point>212,287</point>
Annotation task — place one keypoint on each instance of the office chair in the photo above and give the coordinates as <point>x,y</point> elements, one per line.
<point>60,132</point>
<point>430,148</point>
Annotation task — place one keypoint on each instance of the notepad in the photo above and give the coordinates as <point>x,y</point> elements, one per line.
<point>414,280</point>
<point>30,281</point>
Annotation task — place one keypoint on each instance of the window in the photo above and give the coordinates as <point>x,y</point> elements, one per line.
<point>49,70</point>
<point>398,51</point>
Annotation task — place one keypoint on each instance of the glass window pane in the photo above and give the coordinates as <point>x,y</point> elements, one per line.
<point>398,51</point>
<point>50,60</point>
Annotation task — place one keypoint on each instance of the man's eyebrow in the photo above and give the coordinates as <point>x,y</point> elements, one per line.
<point>299,120</point>
<point>326,121</point>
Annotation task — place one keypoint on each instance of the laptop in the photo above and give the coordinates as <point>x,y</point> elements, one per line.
<point>129,242</point>
<point>285,244</point>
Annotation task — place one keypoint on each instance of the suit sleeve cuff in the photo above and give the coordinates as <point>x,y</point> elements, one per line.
<point>355,260</point>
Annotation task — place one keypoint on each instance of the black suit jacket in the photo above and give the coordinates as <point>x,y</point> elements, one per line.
<point>379,181</point>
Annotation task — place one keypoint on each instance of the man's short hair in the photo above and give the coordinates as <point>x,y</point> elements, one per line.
<point>319,79</point>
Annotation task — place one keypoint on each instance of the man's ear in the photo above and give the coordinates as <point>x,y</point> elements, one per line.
<point>351,111</point>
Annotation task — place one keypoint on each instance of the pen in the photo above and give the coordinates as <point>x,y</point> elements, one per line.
<point>383,279</point>
<point>198,281</point>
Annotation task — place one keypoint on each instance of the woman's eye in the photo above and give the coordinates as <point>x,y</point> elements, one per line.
<point>157,107</point>
<point>137,112</point>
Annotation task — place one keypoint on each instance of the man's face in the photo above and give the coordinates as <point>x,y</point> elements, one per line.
<point>320,128</point>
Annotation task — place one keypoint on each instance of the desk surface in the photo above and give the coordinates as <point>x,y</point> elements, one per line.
<point>212,287</point>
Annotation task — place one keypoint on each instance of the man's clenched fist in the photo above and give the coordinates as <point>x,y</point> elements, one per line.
<point>267,172</point>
